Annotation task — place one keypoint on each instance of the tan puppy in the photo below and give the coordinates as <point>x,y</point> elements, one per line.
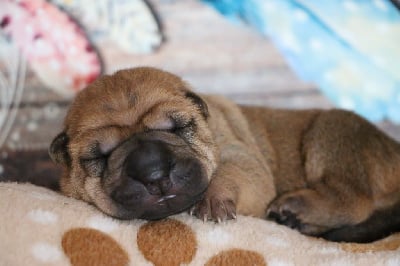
<point>140,144</point>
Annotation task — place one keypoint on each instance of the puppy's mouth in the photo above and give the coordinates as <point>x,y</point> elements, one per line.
<point>152,181</point>
<point>154,207</point>
<point>166,198</point>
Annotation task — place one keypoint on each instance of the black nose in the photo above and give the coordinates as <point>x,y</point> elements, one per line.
<point>150,163</point>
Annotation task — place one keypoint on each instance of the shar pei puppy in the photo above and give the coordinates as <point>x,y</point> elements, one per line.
<point>141,144</point>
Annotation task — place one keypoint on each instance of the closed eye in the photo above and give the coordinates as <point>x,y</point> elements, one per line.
<point>180,125</point>
<point>95,161</point>
<point>94,166</point>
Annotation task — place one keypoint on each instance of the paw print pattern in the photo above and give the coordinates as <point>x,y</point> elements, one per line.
<point>167,242</point>
<point>56,230</point>
<point>85,246</point>
<point>170,242</point>
<point>237,257</point>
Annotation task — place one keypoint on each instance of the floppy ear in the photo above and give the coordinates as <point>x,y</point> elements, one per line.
<point>58,150</point>
<point>199,102</point>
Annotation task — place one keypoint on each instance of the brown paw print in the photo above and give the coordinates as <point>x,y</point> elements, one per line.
<point>166,242</point>
<point>85,247</point>
<point>170,242</point>
<point>236,257</point>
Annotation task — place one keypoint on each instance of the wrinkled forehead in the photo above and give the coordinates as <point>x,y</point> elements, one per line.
<point>125,97</point>
<point>126,87</point>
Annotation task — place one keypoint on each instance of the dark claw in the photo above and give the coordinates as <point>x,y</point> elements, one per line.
<point>215,210</point>
<point>285,218</point>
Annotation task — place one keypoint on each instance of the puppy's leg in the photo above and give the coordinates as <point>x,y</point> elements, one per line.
<point>316,210</point>
<point>381,224</point>
<point>220,200</point>
<point>340,190</point>
<point>233,190</point>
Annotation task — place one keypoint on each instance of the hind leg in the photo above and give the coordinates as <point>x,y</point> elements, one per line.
<point>339,189</point>
<point>314,211</point>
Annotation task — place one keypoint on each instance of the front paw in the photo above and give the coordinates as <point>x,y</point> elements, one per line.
<point>214,209</point>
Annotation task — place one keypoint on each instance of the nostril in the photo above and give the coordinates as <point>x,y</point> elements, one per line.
<point>165,184</point>
<point>129,192</point>
<point>125,196</point>
<point>153,188</point>
<point>159,187</point>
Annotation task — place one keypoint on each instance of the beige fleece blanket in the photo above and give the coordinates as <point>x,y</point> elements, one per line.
<point>41,227</point>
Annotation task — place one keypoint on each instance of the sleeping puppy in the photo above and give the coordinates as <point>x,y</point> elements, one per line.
<point>140,144</point>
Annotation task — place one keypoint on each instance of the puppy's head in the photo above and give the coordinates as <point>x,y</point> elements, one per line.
<point>136,144</point>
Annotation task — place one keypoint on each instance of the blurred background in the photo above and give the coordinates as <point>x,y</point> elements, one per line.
<point>280,53</point>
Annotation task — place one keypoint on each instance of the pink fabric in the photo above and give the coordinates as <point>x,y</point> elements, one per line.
<point>54,44</point>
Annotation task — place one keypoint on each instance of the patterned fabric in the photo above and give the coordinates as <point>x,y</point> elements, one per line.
<point>350,49</point>
<point>45,228</point>
<point>129,24</point>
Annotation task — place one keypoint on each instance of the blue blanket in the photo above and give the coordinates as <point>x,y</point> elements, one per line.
<point>349,49</point>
